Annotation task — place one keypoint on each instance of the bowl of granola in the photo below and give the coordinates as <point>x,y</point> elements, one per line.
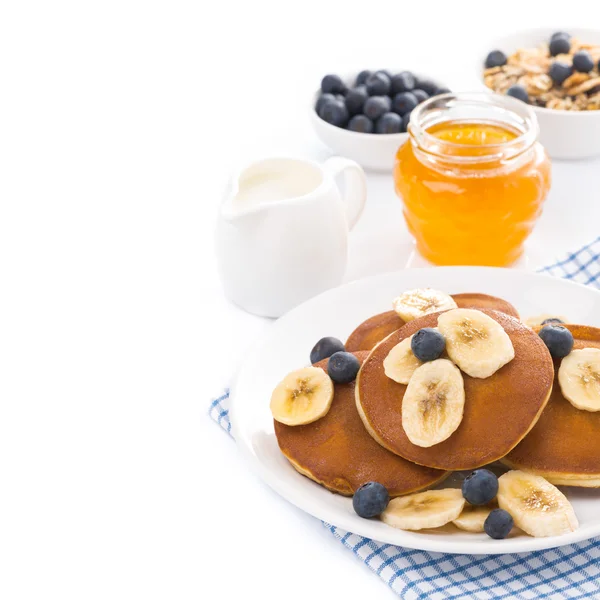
<point>558,73</point>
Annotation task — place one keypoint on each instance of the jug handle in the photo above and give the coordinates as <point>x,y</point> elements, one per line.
<point>355,189</point>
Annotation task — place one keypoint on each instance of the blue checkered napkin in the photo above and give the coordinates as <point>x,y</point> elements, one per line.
<point>582,266</point>
<point>567,572</point>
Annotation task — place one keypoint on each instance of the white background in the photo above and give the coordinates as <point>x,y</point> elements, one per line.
<point>119,124</point>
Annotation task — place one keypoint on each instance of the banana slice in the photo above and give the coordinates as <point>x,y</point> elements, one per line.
<point>401,363</point>
<point>416,303</point>
<point>472,518</point>
<point>475,342</point>
<point>579,378</point>
<point>537,507</point>
<point>433,403</point>
<point>302,397</point>
<point>425,510</point>
<point>539,319</point>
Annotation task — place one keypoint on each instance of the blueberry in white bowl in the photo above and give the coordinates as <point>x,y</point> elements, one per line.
<point>361,124</point>
<point>389,122</point>
<point>376,106</point>
<point>364,130</point>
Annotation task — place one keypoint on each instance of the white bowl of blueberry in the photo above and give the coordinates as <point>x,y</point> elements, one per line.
<point>558,73</point>
<point>364,117</point>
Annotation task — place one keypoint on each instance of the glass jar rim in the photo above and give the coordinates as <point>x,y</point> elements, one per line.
<point>528,133</point>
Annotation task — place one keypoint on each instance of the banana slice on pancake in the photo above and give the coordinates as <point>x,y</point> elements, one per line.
<point>579,378</point>
<point>433,404</point>
<point>472,517</point>
<point>475,342</point>
<point>413,304</point>
<point>302,397</point>
<point>424,510</point>
<point>537,507</point>
<point>401,363</point>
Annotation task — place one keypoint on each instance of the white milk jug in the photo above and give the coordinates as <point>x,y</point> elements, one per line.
<point>282,231</point>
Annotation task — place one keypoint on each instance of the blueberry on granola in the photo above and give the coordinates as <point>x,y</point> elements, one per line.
<point>519,92</point>
<point>559,45</point>
<point>559,72</point>
<point>560,34</point>
<point>582,61</point>
<point>496,58</point>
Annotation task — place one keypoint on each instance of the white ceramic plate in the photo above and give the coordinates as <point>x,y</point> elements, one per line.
<point>337,312</point>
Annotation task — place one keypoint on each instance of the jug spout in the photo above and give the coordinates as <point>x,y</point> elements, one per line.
<point>270,185</point>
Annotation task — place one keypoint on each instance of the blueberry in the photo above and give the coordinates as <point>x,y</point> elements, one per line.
<point>427,85</point>
<point>496,58</point>
<point>362,77</point>
<point>582,61</point>
<point>420,95</point>
<point>378,84</point>
<point>402,82</point>
<point>355,99</point>
<point>375,106</point>
<point>343,367</point>
<point>332,84</point>
<point>324,348</point>
<point>334,112</point>
<point>498,524</point>
<point>361,124</point>
<point>559,71</point>
<point>387,73</point>
<point>323,98</point>
<point>340,97</point>
<point>563,34</point>
<point>427,344</point>
<point>558,339</point>
<point>559,45</point>
<point>480,487</point>
<point>389,122</point>
<point>518,92</point>
<point>370,500</point>
<point>405,121</point>
<point>442,90</point>
<point>404,102</point>
<point>552,321</point>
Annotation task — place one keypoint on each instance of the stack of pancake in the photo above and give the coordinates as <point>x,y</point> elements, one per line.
<point>516,416</point>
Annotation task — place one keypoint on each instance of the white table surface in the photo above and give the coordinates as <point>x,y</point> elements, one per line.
<point>119,124</point>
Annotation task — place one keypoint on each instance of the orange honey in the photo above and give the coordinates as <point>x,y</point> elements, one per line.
<point>472,189</point>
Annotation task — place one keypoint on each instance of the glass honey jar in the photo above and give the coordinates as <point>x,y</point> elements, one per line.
<point>472,178</point>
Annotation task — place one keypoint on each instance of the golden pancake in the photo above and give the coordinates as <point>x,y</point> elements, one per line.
<point>368,334</point>
<point>564,445</point>
<point>499,410</point>
<point>337,452</point>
